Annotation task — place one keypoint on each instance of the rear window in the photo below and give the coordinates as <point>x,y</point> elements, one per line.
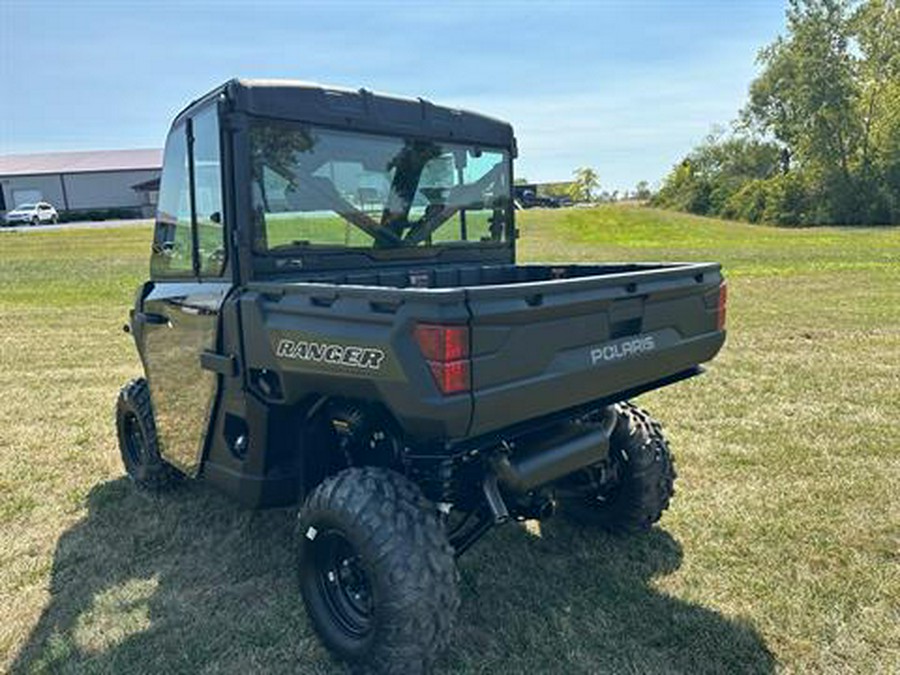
<point>316,188</point>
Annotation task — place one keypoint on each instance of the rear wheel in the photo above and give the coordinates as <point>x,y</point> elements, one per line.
<point>138,443</point>
<point>35,221</point>
<point>376,571</point>
<point>642,481</point>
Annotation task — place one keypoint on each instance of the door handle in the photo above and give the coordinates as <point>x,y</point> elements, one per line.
<point>151,318</point>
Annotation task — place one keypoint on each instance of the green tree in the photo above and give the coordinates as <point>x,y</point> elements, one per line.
<point>819,138</point>
<point>586,183</point>
<point>807,97</point>
<point>877,26</point>
<point>642,191</point>
<point>707,179</point>
<point>826,94</point>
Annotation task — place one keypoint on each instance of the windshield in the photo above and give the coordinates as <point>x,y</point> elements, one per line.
<point>26,207</point>
<point>315,187</point>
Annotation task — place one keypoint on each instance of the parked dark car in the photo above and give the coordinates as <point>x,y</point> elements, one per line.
<point>528,199</point>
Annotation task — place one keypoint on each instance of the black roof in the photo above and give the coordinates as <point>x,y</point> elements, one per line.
<point>361,109</point>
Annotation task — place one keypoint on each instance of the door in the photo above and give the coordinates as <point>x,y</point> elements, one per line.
<point>26,196</point>
<point>179,315</point>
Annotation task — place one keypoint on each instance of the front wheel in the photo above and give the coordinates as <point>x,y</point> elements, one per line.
<point>643,477</point>
<point>376,571</point>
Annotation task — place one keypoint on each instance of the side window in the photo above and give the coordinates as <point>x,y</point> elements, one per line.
<point>171,256</point>
<point>208,193</point>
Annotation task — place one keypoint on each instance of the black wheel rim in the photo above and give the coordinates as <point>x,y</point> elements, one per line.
<point>343,584</point>
<point>134,440</point>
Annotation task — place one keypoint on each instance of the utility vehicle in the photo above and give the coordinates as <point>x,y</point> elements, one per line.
<point>335,318</point>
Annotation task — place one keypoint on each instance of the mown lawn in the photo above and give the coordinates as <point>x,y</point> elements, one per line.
<point>781,550</point>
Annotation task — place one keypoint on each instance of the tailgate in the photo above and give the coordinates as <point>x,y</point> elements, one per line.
<point>545,346</point>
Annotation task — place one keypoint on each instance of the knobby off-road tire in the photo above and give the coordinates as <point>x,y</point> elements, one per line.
<point>138,443</point>
<point>646,476</point>
<point>376,571</point>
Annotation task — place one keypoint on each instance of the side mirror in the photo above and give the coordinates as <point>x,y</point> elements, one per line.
<point>216,217</point>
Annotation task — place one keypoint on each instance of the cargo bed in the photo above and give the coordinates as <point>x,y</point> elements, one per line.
<point>543,338</point>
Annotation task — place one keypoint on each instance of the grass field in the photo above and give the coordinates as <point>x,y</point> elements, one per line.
<point>781,551</point>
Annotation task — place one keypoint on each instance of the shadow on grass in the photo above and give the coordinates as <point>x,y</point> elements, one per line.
<point>190,583</point>
<point>575,600</point>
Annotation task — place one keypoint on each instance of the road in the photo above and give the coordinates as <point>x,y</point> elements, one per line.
<point>89,225</point>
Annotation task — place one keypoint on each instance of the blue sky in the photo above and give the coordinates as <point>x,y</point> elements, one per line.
<point>625,87</point>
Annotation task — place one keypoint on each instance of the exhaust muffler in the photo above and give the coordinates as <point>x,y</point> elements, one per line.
<point>548,460</point>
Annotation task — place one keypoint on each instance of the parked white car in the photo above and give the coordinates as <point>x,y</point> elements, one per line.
<point>32,214</point>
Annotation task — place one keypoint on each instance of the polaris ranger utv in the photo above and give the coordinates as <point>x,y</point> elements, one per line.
<point>335,318</point>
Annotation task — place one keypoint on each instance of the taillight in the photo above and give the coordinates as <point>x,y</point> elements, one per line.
<point>721,306</point>
<point>443,343</point>
<point>451,377</point>
<point>446,348</point>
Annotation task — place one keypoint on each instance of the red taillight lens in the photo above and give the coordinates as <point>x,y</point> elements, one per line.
<point>447,350</point>
<point>452,377</point>
<point>721,307</point>
<point>443,343</point>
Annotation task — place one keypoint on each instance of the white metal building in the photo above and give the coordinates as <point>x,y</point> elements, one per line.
<point>126,181</point>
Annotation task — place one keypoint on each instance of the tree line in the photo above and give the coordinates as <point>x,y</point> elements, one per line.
<point>818,141</point>
<point>585,188</point>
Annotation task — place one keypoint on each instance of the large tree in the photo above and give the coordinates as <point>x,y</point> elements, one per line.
<point>586,183</point>
<point>827,100</point>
